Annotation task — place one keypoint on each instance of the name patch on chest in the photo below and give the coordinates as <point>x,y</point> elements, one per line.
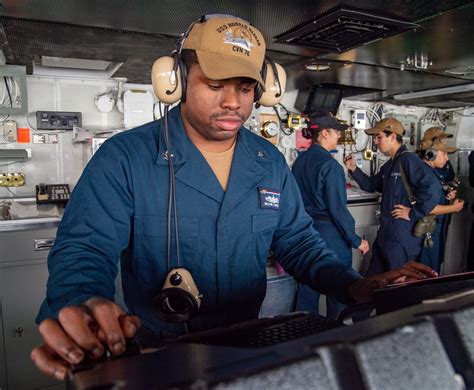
<point>396,175</point>
<point>269,199</point>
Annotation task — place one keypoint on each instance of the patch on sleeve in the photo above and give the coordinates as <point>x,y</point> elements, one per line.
<point>269,199</point>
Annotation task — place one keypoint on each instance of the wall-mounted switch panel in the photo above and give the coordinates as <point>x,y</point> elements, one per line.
<point>57,120</point>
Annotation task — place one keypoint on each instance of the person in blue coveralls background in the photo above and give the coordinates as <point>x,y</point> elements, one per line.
<point>236,200</point>
<point>322,184</point>
<point>434,153</point>
<point>395,243</point>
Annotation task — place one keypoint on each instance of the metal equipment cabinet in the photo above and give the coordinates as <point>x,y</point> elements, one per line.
<point>366,216</point>
<point>23,275</point>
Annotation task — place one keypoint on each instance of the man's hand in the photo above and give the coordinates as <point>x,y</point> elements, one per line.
<point>451,195</point>
<point>401,211</point>
<point>80,331</point>
<point>350,163</point>
<point>364,247</point>
<point>361,291</point>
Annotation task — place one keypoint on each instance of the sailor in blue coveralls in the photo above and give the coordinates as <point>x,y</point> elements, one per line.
<point>236,199</point>
<point>447,176</point>
<point>434,153</point>
<point>395,244</point>
<point>322,184</point>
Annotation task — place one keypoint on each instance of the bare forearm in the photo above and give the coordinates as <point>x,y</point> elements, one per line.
<point>443,209</point>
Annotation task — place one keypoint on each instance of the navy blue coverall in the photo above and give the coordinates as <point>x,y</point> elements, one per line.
<point>395,244</point>
<point>323,188</point>
<point>433,256</point>
<point>118,211</point>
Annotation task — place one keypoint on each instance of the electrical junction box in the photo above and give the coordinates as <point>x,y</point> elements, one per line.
<point>360,119</point>
<point>137,108</point>
<point>9,131</point>
<point>57,120</point>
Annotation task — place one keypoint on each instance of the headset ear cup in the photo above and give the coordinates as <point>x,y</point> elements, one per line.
<point>307,133</point>
<point>431,154</point>
<point>274,86</point>
<point>166,80</point>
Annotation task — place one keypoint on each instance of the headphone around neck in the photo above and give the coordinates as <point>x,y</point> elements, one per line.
<point>169,74</point>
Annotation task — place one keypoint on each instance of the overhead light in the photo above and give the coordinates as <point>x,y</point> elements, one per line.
<point>75,67</point>
<point>435,92</point>
<point>75,63</point>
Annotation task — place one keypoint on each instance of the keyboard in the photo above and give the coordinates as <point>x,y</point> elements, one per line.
<point>264,332</point>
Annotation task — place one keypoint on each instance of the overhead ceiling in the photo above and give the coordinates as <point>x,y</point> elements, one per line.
<point>135,33</point>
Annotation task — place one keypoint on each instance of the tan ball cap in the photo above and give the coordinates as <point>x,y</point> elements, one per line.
<point>435,138</point>
<point>388,124</point>
<point>440,145</point>
<point>435,132</point>
<point>227,47</point>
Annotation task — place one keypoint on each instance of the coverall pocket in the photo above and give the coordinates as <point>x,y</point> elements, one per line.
<point>401,230</point>
<point>150,247</point>
<point>263,226</point>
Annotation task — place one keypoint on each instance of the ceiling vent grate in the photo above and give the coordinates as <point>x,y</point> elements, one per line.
<point>343,29</point>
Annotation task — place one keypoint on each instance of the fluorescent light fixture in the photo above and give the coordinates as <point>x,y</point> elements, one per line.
<point>435,92</point>
<point>75,63</point>
<point>75,67</point>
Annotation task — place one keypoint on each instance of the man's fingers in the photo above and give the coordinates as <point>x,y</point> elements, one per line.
<point>408,272</point>
<point>421,268</point>
<point>77,324</point>
<point>107,315</point>
<point>58,341</point>
<point>48,363</point>
<point>130,325</point>
<point>401,279</point>
<point>413,271</point>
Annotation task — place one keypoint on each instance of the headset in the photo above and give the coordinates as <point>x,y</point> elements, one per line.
<point>308,132</point>
<point>179,299</point>
<point>169,73</point>
<point>430,153</point>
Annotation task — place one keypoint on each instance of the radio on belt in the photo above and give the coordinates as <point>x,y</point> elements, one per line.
<point>57,120</point>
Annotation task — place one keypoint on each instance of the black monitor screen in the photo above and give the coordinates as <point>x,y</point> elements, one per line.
<point>319,98</point>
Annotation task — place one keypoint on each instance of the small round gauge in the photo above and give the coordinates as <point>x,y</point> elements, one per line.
<point>270,129</point>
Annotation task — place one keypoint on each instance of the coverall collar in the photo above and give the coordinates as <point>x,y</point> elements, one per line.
<point>401,150</point>
<point>179,141</point>
<point>192,168</point>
